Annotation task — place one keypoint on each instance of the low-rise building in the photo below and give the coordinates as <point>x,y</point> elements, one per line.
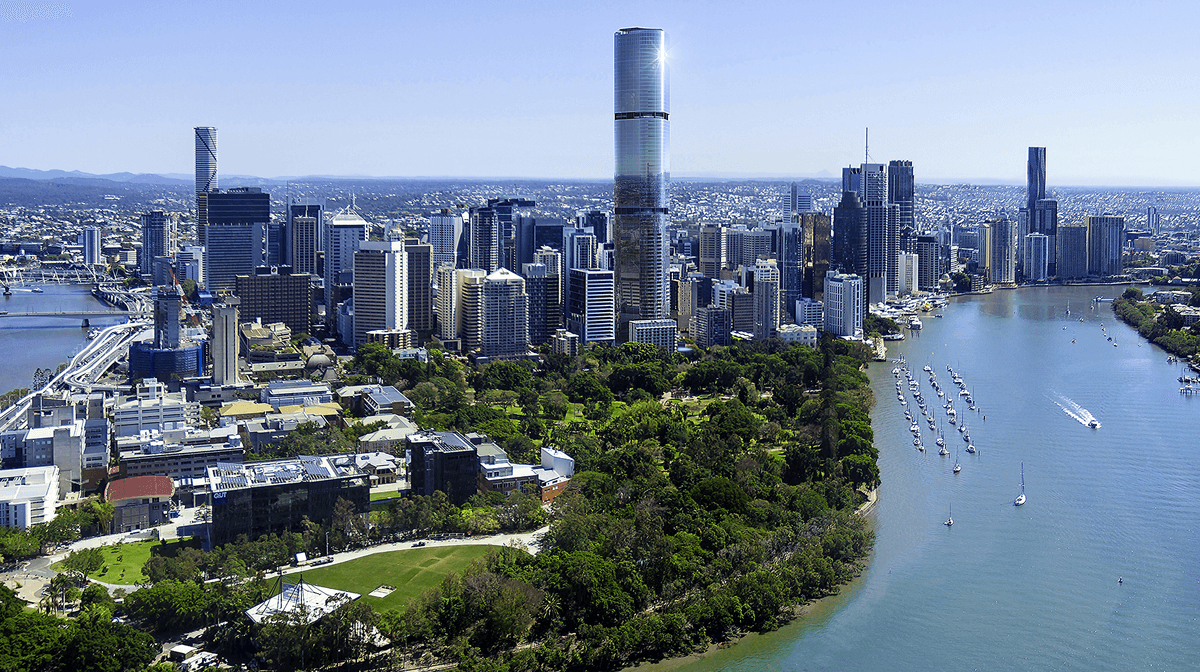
<point>444,461</point>
<point>177,460</point>
<point>279,393</point>
<point>804,334</point>
<point>152,407</point>
<point>276,496</point>
<point>139,502</point>
<point>28,496</point>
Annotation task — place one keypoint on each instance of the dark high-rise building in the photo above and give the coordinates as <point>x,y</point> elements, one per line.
<point>305,234</point>
<point>280,296</point>
<point>237,222</point>
<point>1105,240</point>
<point>818,254</point>
<point>901,192</point>
<point>1044,220</point>
<point>850,236</point>
<point>1037,178</point>
<point>158,239</point>
<point>206,174</point>
<point>597,220</point>
<point>420,285</point>
<point>929,266</point>
<point>642,176</point>
<point>483,250</point>
<point>542,290</point>
<point>299,248</point>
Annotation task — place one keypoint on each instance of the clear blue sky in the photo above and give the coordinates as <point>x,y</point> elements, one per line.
<point>524,89</point>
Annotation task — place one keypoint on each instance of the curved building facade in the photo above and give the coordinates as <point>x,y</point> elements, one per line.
<point>642,176</point>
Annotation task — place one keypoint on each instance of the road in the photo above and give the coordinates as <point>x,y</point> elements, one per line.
<point>91,363</point>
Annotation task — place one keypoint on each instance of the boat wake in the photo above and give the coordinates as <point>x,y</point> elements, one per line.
<point>1079,413</point>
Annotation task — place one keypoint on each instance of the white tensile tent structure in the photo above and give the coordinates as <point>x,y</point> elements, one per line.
<point>315,601</point>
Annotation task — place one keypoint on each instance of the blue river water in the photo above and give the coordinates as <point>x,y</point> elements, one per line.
<point>30,343</point>
<point>1036,586</point>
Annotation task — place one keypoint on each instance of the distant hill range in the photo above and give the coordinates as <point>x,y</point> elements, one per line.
<point>77,177</point>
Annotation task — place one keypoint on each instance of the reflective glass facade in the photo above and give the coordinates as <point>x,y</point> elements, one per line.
<point>642,175</point>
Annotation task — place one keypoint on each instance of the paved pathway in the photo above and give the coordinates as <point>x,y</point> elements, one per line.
<point>528,540</point>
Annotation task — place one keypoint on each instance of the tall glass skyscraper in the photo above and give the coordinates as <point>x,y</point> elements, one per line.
<point>642,176</point>
<point>1037,177</point>
<point>206,175</point>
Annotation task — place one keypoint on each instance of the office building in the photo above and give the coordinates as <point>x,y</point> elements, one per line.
<point>162,271</point>
<point>711,326</point>
<point>276,295</point>
<point>28,496</point>
<point>445,231</point>
<point>237,222</point>
<point>712,250</point>
<point>1036,182</point>
<point>660,333</point>
<point>158,239</point>
<point>484,239</point>
<point>303,236</point>
<point>552,259</point>
<point>544,305</point>
<point>591,310</point>
<point>89,239</point>
<point>1037,256</point>
<point>206,175</point>
<point>280,496</point>
<point>799,202</point>
<point>929,256</point>
<point>344,232</point>
<point>60,445</point>
<point>901,189</point>
<point>850,235</point>
<point>1105,240</point>
<point>766,298</point>
<point>597,221</point>
<point>642,175</point>
<point>1071,251</point>
<point>444,461</point>
<point>844,308</point>
<point>579,248</point>
<point>420,285</point>
<point>380,288</point>
<point>1044,220</point>
<point>1004,251</point>
<point>225,341</point>
<point>189,264</point>
<point>883,231</point>
<point>810,311</point>
<point>169,356</point>
<point>505,316</point>
<point>817,253</point>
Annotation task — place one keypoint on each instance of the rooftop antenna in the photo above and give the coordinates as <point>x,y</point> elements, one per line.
<point>867,145</point>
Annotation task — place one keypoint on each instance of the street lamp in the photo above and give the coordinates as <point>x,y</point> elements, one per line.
<point>327,543</point>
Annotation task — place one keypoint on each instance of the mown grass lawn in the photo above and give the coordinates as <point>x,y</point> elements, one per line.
<point>410,571</point>
<point>123,562</point>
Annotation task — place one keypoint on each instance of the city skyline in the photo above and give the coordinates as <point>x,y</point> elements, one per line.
<point>387,90</point>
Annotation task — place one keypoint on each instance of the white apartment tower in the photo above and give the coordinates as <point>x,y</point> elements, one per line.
<point>380,288</point>
<point>505,315</point>
<point>843,305</point>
